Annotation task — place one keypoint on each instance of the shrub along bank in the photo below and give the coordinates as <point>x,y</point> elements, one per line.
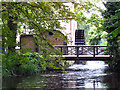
<point>28,63</point>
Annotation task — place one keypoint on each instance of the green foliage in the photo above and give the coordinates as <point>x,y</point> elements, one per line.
<point>9,64</point>
<point>27,63</point>
<point>89,13</point>
<point>102,28</point>
<point>114,20</point>
<point>0,68</point>
<point>86,28</point>
<point>112,26</point>
<point>38,17</point>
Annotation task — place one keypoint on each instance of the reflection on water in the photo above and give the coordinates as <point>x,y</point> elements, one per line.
<point>90,75</point>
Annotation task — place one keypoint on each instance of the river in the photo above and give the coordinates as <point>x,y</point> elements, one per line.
<point>78,76</point>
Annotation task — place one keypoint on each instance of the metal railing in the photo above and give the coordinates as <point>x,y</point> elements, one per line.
<point>83,50</point>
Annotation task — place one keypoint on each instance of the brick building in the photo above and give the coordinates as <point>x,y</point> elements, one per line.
<point>29,42</point>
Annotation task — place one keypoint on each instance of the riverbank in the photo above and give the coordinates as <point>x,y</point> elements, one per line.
<point>19,64</point>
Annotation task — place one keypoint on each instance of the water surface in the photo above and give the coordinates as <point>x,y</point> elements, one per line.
<point>78,76</point>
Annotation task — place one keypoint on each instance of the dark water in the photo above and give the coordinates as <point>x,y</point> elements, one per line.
<point>91,75</point>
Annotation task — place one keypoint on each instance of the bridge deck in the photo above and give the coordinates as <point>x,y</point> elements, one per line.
<point>85,57</point>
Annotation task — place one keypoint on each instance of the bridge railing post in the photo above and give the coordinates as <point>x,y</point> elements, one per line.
<point>77,51</point>
<point>61,49</point>
<point>96,50</point>
<point>64,50</point>
<point>93,51</point>
<point>82,51</point>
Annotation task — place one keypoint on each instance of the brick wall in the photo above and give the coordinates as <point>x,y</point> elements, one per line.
<point>56,39</point>
<point>28,43</point>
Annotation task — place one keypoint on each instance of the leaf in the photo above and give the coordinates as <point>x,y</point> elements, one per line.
<point>116,32</point>
<point>113,25</point>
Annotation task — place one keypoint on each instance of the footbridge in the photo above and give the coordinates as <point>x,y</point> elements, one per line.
<point>84,52</point>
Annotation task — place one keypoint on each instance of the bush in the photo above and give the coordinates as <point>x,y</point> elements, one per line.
<point>21,64</point>
<point>27,63</point>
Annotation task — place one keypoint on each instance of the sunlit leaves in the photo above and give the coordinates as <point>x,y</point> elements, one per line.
<point>90,13</point>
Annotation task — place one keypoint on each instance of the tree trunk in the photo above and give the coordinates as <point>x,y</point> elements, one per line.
<point>11,35</point>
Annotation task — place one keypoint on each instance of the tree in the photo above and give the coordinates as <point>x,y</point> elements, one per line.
<point>112,26</point>
<point>90,13</point>
<point>39,17</point>
<point>109,24</point>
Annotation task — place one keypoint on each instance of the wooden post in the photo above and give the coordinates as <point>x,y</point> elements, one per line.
<point>66,50</point>
<point>61,49</point>
<point>82,51</point>
<point>77,51</point>
<point>94,51</point>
